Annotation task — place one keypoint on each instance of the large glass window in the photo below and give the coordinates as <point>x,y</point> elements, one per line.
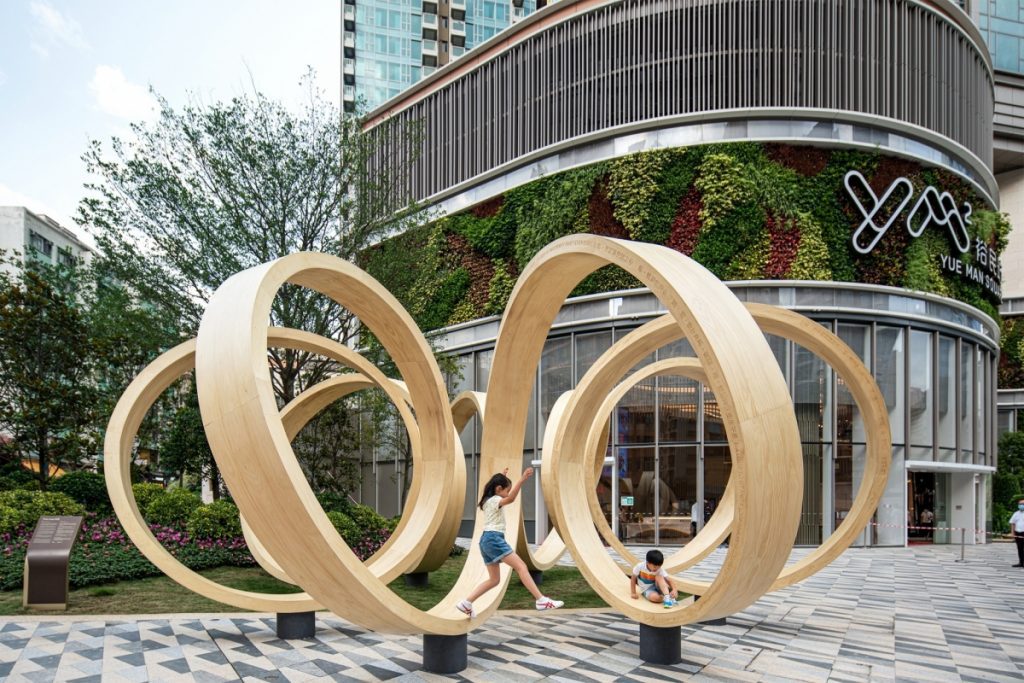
<point>946,384</point>
<point>966,402</point>
<point>589,348</point>
<point>677,466</point>
<point>812,396</point>
<point>890,376</point>
<point>555,375</point>
<point>920,396</point>
<point>717,468</point>
<point>636,521</point>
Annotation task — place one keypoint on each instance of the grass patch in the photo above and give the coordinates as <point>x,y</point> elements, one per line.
<point>560,583</point>
<point>155,595</point>
<point>160,595</point>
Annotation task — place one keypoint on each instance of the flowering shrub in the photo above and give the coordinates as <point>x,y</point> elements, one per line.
<point>172,508</point>
<point>218,520</point>
<point>104,553</point>
<point>146,493</point>
<point>20,508</point>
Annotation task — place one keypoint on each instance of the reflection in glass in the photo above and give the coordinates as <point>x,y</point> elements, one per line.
<point>589,348</point>
<point>849,422</point>
<point>636,521</point>
<point>946,381</point>
<point>717,468</point>
<point>920,398</point>
<point>812,393</point>
<point>635,414</point>
<point>890,377</point>
<point>981,374</point>
<point>677,408</point>
<point>677,467</point>
<point>555,375</point>
<point>966,404</point>
<point>714,428</point>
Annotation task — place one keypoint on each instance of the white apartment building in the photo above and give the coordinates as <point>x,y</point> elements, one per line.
<point>35,235</point>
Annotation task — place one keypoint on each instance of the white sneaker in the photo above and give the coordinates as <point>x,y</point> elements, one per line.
<point>466,607</point>
<point>548,603</point>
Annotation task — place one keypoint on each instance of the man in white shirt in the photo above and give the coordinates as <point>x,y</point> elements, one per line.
<point>1017,529</point>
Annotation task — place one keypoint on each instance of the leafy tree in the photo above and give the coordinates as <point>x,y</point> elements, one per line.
<point>47,397</point>
<point>212,189</point>
<point>184,448</point>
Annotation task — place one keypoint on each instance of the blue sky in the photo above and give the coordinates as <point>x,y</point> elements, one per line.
<point>71,71</point>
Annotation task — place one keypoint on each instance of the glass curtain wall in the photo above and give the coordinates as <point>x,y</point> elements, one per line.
<point>669,445</point>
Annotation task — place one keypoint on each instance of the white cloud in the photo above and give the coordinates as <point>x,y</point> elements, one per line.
<point>53,28</point>
<point>117,96</point>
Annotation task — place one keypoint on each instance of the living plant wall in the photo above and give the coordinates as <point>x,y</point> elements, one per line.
<point>745,211</point>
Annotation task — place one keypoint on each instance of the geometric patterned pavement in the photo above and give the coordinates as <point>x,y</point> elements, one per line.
<point>905,614</point>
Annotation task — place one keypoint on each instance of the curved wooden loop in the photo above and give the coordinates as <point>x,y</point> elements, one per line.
<point>304,407</point>
<point>712,535</point>
<point>387,563</point>
<point>742,371</point>
<point>124,423</point>
<point>250,443</point>
<point>800,330</point>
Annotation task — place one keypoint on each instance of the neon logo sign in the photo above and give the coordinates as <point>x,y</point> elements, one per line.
<point>879,214</point>
<point>932,207</point>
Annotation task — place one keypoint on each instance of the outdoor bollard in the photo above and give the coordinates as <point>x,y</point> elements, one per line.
<point>46,562</point>
<point>294,625</point>
<point>417,579</point>
<point>445,654</point>
<point>962,533</point>
<point>661,644</point>
<point>537,576</point>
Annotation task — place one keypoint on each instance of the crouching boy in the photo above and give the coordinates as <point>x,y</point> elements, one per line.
<point>655,584</point>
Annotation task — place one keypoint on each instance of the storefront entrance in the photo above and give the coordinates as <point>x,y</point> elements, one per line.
<point>928,508</point>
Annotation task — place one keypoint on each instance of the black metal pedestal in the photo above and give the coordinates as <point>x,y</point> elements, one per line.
<point>537,576</point>
<point>417,579</point>
<point>445,654</point>
<point>711,622</point>
<point>660,645</point>
<point>296,625</point>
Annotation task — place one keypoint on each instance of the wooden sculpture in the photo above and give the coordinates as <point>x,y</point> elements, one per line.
<point>291,535</point>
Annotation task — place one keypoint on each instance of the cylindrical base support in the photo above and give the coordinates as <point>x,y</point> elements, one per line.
<point>417,579</point>
<point>711,622</point>
<point>296,625</point>
<point>537,576</point>
<point>445,654</point>
<point>660,645</point>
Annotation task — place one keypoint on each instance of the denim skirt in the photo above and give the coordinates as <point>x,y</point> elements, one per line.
<point>494,547</point>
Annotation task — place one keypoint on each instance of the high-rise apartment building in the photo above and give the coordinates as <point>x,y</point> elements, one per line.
<point>387,45</point>
<point>39,237</point>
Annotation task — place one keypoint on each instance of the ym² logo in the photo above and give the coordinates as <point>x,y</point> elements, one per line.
<point>931,207</point>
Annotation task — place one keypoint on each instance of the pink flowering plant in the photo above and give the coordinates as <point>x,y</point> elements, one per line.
<point>103,552</point>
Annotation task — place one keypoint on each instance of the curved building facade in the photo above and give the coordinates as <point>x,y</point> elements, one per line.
<point>831,157</point>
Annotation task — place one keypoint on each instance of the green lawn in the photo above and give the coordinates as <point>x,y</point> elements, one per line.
<point>159,595</point>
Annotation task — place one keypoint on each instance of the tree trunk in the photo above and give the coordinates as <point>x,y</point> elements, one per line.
<point>43,459</point>
<point>215,480</point>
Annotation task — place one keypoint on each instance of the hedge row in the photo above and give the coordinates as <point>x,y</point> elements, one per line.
<point>200,536</point>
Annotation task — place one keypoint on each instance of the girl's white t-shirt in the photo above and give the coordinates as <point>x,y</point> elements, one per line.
<point>494,518</point>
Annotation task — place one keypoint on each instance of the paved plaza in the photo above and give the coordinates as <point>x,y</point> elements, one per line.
<point>912,614</point>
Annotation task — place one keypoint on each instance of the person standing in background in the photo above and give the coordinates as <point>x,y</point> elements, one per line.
<point>1017,529</point>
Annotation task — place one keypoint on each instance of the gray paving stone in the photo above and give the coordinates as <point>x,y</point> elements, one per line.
<point>898,614</point>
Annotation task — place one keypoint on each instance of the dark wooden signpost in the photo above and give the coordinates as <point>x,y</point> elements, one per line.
<point>46,562</point>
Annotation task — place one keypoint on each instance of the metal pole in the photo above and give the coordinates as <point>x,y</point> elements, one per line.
<point>962,533</point>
